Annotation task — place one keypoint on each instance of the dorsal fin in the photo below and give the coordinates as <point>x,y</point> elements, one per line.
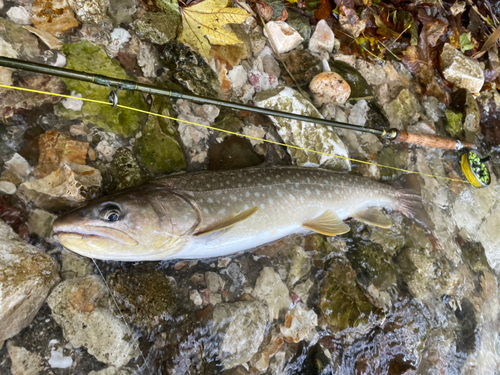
<point>328,224</point>
<point>229,222</point>
<point>373,216</point>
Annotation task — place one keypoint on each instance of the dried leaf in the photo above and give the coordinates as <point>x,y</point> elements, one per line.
<point>434,31</point>
<point>283,16</point>
<point>203,24</point>
<point>324,10</point>
<point>265,11</point>
<point>350,21</point>
<point>492,39</point>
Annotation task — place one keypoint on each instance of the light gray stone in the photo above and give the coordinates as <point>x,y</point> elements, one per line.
<point>271,289</point>
<point>461,70</point>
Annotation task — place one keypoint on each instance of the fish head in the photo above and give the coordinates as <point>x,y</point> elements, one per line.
<point>143,224</point>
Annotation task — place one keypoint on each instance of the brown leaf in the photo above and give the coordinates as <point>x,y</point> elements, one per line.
<point>324,10</point>
<point>283,16</point>
<point>411,59</point>
<point>492,39</point>
<point>265,11</point>
<point>350,21</point>
<point>434,31</point>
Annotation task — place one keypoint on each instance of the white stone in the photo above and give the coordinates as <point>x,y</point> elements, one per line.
<point>7,187</point>
<point>238,77</point>
<point>106,150</point>
<point>195,296</point>
<point>262,81</point>
<point>19,166</point>
<point>206,111</point>
<point>23,362</point>
<point>283,36</point>
<point>58,360</point>
<point>461,70</point>
<point>146,60</point>
<point>86,322</point>
<point>373,73</point>
<point>79,130</point>
<point>73,104</point>
<point>304,134</point>
<point>19,15</point>
<point>119,37</point>
<point>271,289</point>
<point>60,61</point>
<point>254,131</point>
<point>322,39</point>
<point>299,321</point>
<point>359,113</point>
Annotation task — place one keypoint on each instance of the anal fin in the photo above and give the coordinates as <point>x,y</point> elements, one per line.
<point>328,224</point>
<point>229,222</point>
<point>373,216</point>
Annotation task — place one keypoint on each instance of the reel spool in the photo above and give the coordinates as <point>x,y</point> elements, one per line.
<point>475,169</point>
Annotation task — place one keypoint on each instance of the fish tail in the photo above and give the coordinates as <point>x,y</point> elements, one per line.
<point>410,204</point>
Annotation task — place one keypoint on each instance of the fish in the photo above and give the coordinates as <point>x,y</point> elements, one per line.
<point>216,213</point>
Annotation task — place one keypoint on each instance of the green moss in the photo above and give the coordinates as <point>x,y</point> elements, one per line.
<point>88,57</point>
<point>454,127</point>
<point>157,150</point>
<point>343,303</point>
<point>125,171</point>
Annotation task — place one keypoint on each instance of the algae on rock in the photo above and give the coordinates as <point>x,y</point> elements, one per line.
<point>125,171</point>
<point>158,150</point>
<point>88,57</point>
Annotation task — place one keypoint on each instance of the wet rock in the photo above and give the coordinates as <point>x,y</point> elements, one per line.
<point>460,70</point>
<point>489,102</point>
<point>195,296</point>
<point>234,152</point>
<point>374,74</point>
<point>112,370</point>
<point>119,37</point>
<point>238,77</point>
<point>282,36</point>
<point>19,15</point>
<point>257,41</point>
<point>271,289</point>
<point>66,187</point>
<point>79,306</point>
<point>19,167</point>
<point>24,362</point>
<point>15,101</point>
<point>260,80</point>
<point>242,326</point>
<point>73,104</point>
<point>299,322</point>
<point>7,187</point>
<point>74,265</point>
<point>56,149</point>
<point>234,272</point>
<point>40,222</point>
<point>322,39</point>
<point>143,296</point>
<point>454,125</point>
<point>47,38</point>
<point>403,110</point>
<point>298,262</point>
<point>299,133</point>
<point>157,150</point>
<point>329,88</point>
<point>300,23</point>
<point>343,303</point>
<point>91,11</point>
<point>303,66</point>
<point>88,57</point>
<point>359,113</point>
<point>270,65</point>
<point>190,69</point>
<point>55,17</point>
<point>260,360</point>
<point>465,103</point>
<point>26,277</point>
<point>22,41</point>
<point>122,11</point>
<point>215,285</point>
<point>158,28</point>
<point>125,170</point>
<point>302,290</point>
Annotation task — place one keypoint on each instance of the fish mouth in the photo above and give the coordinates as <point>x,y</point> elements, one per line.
<point>94,232</point>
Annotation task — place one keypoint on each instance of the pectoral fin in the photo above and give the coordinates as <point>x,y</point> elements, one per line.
<point>328,224</point>
<point>230,222</point>
<point>373,216</point>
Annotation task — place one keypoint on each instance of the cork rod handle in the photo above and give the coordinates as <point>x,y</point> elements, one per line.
<point>430,141</point>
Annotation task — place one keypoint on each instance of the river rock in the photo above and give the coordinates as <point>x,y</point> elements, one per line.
<point>40,222</point>
<point>299,321</point>
<point>461,70</point>
<point>23,42</point>
<point>283,36</point>
<point>329,88</point>
<point>19,15</point>
<point>79,306</point>
<point>19,167</point>
<point>298,264</point>
<point>88,57</point>
<point>61,20</point>
<point>304,134</point>
<point>403,110</point>
<point>66,187</point>
<point>56,149</point>
<point>7,187</point>
<point>322,39</point>
<point>24,362</point>
<point>125,170</point>
<point>26,277</point>
<point>271,289</point>
<point>241,326</point>
<point>91,11</point>
<point>158,28</point>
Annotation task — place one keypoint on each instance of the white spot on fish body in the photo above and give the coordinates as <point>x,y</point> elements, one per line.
<point>288,181</point>
<point>329,195</point>
<point>337,191</point>
<point>257,195</point>
<point>247,194</point>
<point>233,197</point>
<point>205,210</point>
<point>262,205</point>
<point>280,194</point>
<point>308,192</point>
<point>210,200</point>
<point>208,186</point>
<point>245,207</point>
<point>318,192</point>
<point>270,200</point>
<point>221,212</point>
<point>218,201</point>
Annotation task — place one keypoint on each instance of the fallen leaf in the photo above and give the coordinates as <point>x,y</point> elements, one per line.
<point>350,21</point>
<point>492,39</point>
<point>283,16</point>
<point>203,24</point>
<point>265,11</point>
<point>324,10</point>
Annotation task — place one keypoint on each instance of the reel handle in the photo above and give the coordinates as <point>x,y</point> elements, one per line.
<point>430,141</point>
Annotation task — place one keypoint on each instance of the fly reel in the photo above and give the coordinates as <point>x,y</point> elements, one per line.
<point>475,169</point>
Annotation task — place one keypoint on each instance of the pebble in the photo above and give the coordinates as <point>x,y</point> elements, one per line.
<point>73,104</point>
<point>323,39</point>
<point>7,187</point>
<point>329,87</point>
<point>195,296</point>
<point>24,362</point>
<point>19,15</point>
<point>461,70</point>
<point>271,289</point>
<point>299,321</point>
<point>283,36</point>
<point>19,166</point>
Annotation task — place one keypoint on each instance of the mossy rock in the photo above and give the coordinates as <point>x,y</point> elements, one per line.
<point>144,296</point>
<point>158,150</point>
<point>454,127</point>
<point>343,303</point>
<point>125,171</point>
<point>358,84</point>
<point>322,251</point>
<point>87,57</point>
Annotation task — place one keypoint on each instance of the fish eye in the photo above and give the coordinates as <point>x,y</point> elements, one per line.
<point>111,213</point>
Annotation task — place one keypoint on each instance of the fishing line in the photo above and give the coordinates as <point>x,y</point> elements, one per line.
<point>234,133</point>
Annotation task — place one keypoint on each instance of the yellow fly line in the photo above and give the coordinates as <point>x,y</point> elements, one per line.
<point>234,133</point>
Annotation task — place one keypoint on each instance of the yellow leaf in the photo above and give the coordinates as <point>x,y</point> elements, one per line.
<point>203,23</point>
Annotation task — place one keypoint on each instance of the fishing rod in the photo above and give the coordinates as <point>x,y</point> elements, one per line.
<point>481,178</point>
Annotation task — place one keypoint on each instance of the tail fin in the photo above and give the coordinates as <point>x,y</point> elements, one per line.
<point>410,204</point>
